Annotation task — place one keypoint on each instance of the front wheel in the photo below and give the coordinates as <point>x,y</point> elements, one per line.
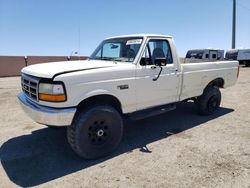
<point>95,132</point>
<point>209,102</point>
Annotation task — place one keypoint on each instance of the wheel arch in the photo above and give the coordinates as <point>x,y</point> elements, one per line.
<point>219,82</point>
<point>105,99</point>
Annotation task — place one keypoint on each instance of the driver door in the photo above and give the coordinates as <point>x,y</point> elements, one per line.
<point>154,88</point>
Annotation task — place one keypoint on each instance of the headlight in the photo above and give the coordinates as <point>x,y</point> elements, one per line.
<point>51,92</point>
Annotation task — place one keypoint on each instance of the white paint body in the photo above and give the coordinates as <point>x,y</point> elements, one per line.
<point>176,82</point>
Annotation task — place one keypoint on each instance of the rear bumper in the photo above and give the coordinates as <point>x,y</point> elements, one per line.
<point>46,115</point>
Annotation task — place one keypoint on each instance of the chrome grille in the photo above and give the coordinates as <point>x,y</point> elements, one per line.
<point>30,86</point>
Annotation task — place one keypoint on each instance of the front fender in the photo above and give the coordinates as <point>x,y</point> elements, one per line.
<point>100,92</point>
<point>97,92</point>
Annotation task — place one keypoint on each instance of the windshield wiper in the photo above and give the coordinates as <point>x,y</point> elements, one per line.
<point>104,58</point>
<point>119,59</point>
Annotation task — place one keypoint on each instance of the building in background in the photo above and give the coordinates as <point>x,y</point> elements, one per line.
<point>12,65</point>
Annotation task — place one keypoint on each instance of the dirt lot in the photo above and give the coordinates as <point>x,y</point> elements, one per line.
<point>176,149</point>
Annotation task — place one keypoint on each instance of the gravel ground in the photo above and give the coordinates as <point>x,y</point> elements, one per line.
<point>176,149</point>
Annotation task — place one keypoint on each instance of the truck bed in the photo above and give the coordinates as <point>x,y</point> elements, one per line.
<point>197,75</point>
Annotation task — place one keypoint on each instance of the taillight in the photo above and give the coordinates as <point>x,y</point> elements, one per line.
<point>238,71</point>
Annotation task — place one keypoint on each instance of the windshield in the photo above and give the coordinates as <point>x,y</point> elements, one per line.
<point>118,49</point>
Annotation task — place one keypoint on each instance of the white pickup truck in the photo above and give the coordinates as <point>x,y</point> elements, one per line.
<point>132,76</point>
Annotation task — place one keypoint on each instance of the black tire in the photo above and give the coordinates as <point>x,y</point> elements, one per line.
<point>209,102</point>
<point>247,63</point>
<point>95,132</point>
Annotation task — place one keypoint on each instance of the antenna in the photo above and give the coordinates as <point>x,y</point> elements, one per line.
<point>234,24</point>
<point>79,41</point>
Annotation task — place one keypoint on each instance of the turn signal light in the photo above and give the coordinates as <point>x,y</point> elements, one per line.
<point>52,98</point>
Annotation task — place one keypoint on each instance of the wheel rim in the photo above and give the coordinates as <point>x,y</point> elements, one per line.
<point>98,132</point>
<point>213,104</point>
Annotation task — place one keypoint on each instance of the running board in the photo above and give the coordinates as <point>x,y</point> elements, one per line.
<point>151,112</point>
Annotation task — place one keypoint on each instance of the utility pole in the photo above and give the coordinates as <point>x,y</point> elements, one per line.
<point>234,24</point>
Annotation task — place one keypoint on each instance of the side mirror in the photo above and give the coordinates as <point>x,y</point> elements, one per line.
<point>162,61</point>
<point>143,61</point>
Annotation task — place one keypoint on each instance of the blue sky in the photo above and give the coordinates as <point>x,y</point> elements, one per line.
<point>51,27</point>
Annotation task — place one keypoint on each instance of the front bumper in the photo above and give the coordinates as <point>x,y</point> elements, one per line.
<point>46,115</point>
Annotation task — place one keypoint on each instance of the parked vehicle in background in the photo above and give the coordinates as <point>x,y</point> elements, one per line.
<point>205,54</point>
<point>241,55</point>
<point>132,76</point>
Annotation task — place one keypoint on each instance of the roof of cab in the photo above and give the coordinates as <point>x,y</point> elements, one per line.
<point>141,35</point>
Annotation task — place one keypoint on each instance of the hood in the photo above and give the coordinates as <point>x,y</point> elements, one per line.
<point>49,70</point>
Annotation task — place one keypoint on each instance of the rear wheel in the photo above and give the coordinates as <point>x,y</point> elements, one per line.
<point>209,102</point>
<point>95,132</point>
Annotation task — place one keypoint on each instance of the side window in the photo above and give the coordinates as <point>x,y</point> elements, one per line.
<point>160,49</point>
<point>214,56</point>
<point>207,56</point>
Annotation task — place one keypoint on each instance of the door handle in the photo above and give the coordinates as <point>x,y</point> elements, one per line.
<point>174,70</point>
<point>153,67</point>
